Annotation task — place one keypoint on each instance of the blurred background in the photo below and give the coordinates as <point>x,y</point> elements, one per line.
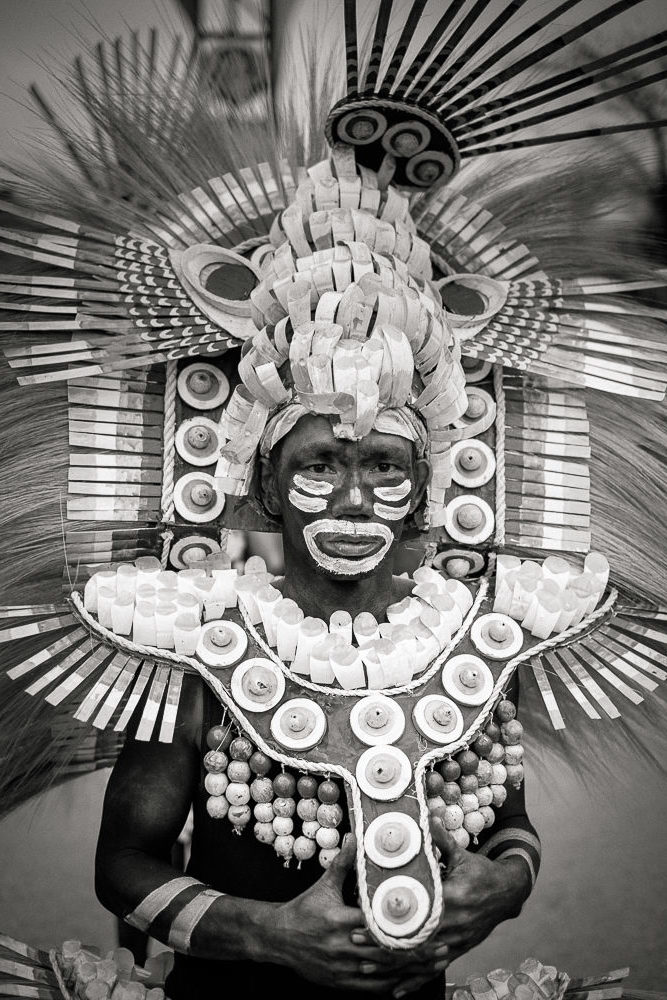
<point>600,899</point>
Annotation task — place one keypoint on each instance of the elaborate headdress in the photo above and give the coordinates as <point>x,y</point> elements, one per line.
<point>368,289</point>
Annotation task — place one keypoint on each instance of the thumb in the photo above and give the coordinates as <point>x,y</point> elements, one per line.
<point>342,863</point>
<point>451,854</point>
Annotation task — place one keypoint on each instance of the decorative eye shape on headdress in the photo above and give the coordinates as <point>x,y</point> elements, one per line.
<point>471,301</point>
<point>219,282</point>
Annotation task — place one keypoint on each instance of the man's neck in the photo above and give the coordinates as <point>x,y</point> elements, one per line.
<point>319,596</point>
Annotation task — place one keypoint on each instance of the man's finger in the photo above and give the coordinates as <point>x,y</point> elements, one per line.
<point>342,863</point>
<point>451,854</point>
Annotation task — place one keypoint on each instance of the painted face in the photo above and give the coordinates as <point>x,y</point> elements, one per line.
<point>343,503</point>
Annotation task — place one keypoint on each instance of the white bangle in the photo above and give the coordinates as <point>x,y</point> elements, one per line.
<point>188,918</point>
<point>157,901</point>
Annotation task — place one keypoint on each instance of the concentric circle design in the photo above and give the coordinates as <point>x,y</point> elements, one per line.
<point>467,679</point>
<point>377,720</point>
<point>400,905</point>
<point>383,773</point>
<point>197,441</point>
<point>221,643</point>
<point>497,636</point>
<point>197,499</point>
<point>473,463</point>
<point>469,519</point>
<point>202,386</point>
<point>438,719</point>
<point>362,127</point>
<point>298,724</point>
<point>392,840</point>
<point>257,685</point>
<point>192,549</point>
<point>406,138</point>
<point>459,563</point>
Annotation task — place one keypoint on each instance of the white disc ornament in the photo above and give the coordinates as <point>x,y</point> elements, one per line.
<point>257,685</point>
<point>187,552</point>
<point>299,724</point>
<point>197,441</point>
<point>197,498</point>
<point>467,679</point>
<point>392,840</point>
<point>221,644</point>
<point>383,773</point>
<point>473,463</point>
<point>497,636</point>
<point>475,370</point>
<point>400,905</point>
<point>202,386</point>
<point>469,519</point>
<point>377,720</point>
<point>438,719</point>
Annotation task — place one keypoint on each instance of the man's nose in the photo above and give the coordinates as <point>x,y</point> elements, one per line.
<point>349,499</point>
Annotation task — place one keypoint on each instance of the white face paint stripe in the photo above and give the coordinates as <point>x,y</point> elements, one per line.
<point>393,492</point>
<point>356,497</point>
<point>390,513</point>
<point>309,505</point>
<point>315,487</point>
<point>339,565</point>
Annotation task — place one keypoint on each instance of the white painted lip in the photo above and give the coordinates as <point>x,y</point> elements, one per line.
<point>353,547</point>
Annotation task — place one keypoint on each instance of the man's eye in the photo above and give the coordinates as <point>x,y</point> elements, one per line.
<point>386,467</point>
<point>318,468</point>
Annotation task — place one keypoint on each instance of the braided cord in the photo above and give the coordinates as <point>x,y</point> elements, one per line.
<point>500,456</point>
<point>168,459</point>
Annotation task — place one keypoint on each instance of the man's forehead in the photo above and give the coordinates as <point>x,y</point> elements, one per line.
<point>313,437</point>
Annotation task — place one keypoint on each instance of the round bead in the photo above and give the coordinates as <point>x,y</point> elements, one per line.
<point>239,770</point>
<point>484,795</point>
<point>265,833</point>
<point>304,848</point>
<point>218,737</point>
<point>450,770</point>
<point>327,856</point>
<point>260,764</point>
<point>261,790</point>
<point>451,792</point>
<point>468,762</point>
<point>457,568</point>
<point>476,407</point>
<point>514,754</point>
<point>282,825</point>
<point>239,815</point>
<point>306,809</point>
<point>482,745</point>
<point>492,730</point>
<point>284,846</point>
<point>284,807</point>
<point>216,761</point>
<point>496,754</point>
<point>306,786</point>
<point>469,803</point>
<point>514,774</point>
<point>469,459</point>
<point>237,793</point>
<point>505,711</point>
<point>488,815</point>
<point>498,774</point>
<point>453,817</point>
<point>327,837</point>
<point>461,836</point>
<point>511,732</point>
<point>241,748</point>
<point>436,805</point>
<point>499,795</point>
<point>328,792</point>
<point>309,828</point>
<point>216,784</point>
<point>469,516</point>
<point>434,783</point>
<point>217,806</point>
<point>329,814</point>
<point>284,785</point>
<point>484,771</point>
<point>263,812</point>
<point>468,783</point>
<point>473,822</point>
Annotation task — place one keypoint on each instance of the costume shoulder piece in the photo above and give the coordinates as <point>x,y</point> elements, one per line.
<point>193,337</point>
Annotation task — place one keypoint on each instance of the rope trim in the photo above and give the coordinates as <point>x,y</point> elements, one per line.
<point>168,458</point>
<point>501,495</point>
<point>55,965</point>
<point>359,692</point>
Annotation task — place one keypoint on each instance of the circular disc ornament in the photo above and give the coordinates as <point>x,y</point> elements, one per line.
<point>473,463</point>
<point>467,679</point>
<point>459,563</point>
<point>359,128</point>
<point>193,549</point>
<point>383,773</point>
<point>497,636</point>
<point>429,166</point>
<point>475,370</point>
<point>406,139</point>
<point>221,643</point>
<point>469,519</point>
<point>377,720</point>
<point>257,685</point>
<point>299,724</point>
<point>400,905</point>
<point>479,415</point>
<point>392,840</point>
<point>202,386</point>
<point>196,498</point>
<point>438,718</point>
<point>197,441</point>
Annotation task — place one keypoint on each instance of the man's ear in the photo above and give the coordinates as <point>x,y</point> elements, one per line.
<point>423,470</point>
<point>268,487</point>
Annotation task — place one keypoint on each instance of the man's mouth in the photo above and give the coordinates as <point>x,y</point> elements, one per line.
<point>349,546</point>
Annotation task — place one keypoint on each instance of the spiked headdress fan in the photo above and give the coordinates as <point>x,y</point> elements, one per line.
<point>197,308</point>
